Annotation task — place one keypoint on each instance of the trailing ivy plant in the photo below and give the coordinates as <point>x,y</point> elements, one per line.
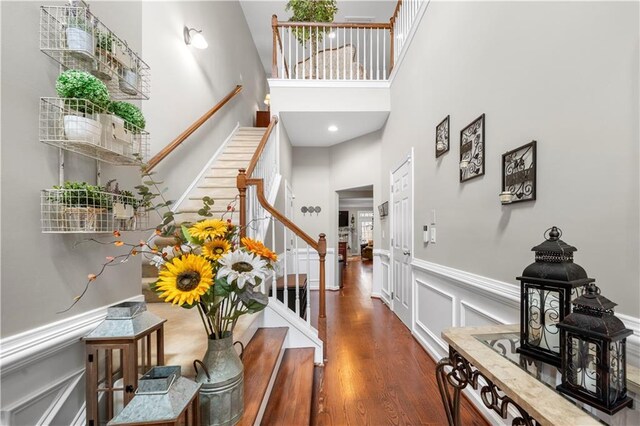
<point>74,84</point>
<point>311,11</point>
<point>131,114</point>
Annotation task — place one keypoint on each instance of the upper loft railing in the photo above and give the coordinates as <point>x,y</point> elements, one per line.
<point>341,51</point>
<point>195,126</point>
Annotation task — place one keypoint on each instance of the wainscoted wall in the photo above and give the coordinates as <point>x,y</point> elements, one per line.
<point>446,297</point>
<point>43,371</point>
<point>381,276</point>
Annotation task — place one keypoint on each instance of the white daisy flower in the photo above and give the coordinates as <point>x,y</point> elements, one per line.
<point>241,266</point>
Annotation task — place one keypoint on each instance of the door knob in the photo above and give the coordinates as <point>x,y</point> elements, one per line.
<point>406,252</point>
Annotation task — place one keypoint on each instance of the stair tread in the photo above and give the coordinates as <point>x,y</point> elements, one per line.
<point>260,359</point>
<point>295,378</point>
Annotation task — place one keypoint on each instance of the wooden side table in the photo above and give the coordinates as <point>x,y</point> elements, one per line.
<point>263,118</point>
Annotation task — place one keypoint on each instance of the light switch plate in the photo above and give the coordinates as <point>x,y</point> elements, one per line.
<point>433,234</point>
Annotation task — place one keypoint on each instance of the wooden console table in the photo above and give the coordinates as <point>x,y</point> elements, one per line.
<point>485,358</point>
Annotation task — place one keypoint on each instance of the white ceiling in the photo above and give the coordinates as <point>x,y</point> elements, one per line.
<point>311,128</point>
<point>258,15</point>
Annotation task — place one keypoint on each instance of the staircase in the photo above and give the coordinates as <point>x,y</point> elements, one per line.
<point>278,383</point>
<point>282,347</point>
<point>219,180</point>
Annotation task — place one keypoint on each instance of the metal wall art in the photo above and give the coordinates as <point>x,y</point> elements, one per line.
<point>472,150</point>
<point>519,174</point>
<point>310,210</point>
<point>442,137</point>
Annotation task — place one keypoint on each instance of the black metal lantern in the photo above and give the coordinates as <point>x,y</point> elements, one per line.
<point>547,287</point>
<point>594,353</point>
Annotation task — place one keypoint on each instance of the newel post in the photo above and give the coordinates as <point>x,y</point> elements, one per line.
<point>274,58</point>
<point>322,253</point>
<point>241,183</point>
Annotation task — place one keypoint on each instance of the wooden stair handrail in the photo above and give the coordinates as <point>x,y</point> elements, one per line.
<point>263,142</point>
<point>195,126</point>
<point>320,246</point>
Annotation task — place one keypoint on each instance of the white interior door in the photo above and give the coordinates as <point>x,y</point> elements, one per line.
<point>401,241</point>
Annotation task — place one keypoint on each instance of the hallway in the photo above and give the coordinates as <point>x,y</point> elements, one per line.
<point>377,373</point>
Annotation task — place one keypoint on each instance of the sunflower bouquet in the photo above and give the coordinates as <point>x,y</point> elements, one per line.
<point>212,269</point>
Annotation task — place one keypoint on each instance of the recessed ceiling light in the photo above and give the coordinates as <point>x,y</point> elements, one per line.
<point>333,128</point>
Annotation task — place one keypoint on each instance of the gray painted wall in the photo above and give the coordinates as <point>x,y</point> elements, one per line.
<point>42,273</point>
<point>564,74</point>
<point>187,82</point>
<point>319,172</point>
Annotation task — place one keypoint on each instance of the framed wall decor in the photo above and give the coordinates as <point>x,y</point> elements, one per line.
<point>472,150</point>
<point>519,174</point>
<point>442,137</point>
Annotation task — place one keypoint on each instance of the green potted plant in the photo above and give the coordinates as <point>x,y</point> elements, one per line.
<point>79,32</point>
<point>83,205</point>
<point>134,124</point>
<point>311,11</point>
<point>85,97</point>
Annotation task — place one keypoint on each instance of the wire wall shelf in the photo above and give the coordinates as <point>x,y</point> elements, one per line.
<point>76,39</point>
<point>79,126</point>
<point>90,211</point>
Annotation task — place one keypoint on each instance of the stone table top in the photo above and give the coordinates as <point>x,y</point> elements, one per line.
<point>541,402</point>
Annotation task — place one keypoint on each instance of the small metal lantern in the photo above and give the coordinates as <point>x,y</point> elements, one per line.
<point>163,397</point>
<point>126,344</point>
<point>547,287</point>
<point>594,353</point>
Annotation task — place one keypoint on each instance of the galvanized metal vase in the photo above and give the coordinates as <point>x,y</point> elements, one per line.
<point>222,378</point>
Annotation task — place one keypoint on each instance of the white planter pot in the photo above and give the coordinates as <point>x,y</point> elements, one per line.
<point>129,82</point>
<point>82,129</point>
<point>80,43</point>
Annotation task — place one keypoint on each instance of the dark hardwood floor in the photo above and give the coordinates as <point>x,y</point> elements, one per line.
<point>377,373</point>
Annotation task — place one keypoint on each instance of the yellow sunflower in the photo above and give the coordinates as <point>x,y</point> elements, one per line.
<point>209,228</point>
<point>185,279</point>
<point>256,247</point>
<point>214,249</point>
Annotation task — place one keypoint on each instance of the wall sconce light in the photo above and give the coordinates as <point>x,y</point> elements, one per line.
<point>267,101</point>
<point>194,38</point>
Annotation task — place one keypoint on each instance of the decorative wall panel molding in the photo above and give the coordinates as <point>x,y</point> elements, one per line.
<point>381,278</point>
<point>43,370</point>
<point>487,287</point>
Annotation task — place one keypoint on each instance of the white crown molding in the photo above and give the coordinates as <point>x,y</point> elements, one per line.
<point>33,345</point>
<point>497,290</point>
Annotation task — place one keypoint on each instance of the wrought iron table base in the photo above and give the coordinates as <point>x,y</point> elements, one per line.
<point>461,374</point>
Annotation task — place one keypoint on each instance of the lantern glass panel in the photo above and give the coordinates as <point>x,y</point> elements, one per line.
<point>617,385</point>
<point>583,366</point>
<point>544,313</point>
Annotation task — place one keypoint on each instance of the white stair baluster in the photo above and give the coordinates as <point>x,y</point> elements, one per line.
<point>308,294</point>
